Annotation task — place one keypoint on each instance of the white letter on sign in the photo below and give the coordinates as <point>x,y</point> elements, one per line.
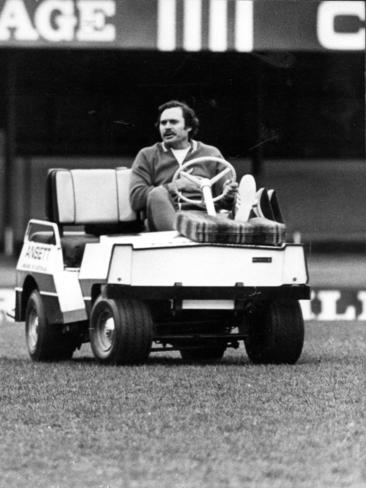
<point>14,16</point>
<point>328,300</point>
<point>307,313</point>
<point>64,19</point>
<point>166,25</point>
<point>217,39</point>
<point>331,39</point>
<point>244,26</point>
<point>362,297</point>
<point>192,25</point>
<point>93,25</point>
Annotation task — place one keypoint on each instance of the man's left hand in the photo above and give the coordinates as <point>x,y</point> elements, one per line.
<point>230,189</point>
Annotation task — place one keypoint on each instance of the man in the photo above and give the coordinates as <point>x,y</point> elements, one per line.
<point>151,188</point>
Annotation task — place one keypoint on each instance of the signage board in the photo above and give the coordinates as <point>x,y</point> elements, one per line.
<point>185,25</point>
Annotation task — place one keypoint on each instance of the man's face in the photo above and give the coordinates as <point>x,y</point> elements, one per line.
<point>173,130</point>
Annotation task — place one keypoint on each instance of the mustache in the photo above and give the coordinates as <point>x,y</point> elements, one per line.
<point>168,132</point>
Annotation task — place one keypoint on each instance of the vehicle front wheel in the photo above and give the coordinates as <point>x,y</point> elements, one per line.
<point>120,331</point>
<point>45,341</point>
<point>275,333</point>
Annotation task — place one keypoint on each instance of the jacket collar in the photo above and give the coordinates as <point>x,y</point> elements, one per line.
<point>193,148</point>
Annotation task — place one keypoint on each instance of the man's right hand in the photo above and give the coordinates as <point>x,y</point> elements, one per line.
<point>183,184</point>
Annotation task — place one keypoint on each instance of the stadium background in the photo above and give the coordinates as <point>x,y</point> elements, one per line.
<point>283,103</point>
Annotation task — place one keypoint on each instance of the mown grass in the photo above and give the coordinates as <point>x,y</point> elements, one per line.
<point>176,425</point>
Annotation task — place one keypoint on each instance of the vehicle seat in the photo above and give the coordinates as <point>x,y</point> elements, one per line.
<point>200,227</point>
<point>95,199</point>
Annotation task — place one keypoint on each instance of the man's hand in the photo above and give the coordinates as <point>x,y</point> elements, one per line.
<point>230,189</point>
<point>184,184</point>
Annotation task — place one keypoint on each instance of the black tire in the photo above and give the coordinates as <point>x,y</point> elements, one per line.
<point>205,353</point>
<point>275,333</point>
<point>120,331</point>
<point>45,341</point>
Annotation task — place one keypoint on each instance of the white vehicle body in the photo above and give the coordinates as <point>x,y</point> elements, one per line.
<point>160,261</point>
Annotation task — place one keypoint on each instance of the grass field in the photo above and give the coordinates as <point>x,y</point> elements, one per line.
<point>170,424</point>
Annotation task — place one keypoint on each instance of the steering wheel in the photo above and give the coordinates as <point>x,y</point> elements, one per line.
<point>204,184</point>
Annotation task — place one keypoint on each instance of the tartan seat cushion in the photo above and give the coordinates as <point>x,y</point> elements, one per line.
<point>200,227</point>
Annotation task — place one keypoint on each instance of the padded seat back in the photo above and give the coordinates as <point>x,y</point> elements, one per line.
<point>89,196</point>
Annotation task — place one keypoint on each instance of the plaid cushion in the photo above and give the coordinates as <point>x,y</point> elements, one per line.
<point>200,227</point>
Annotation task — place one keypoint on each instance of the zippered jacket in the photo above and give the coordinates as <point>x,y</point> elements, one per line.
<point>155,166</point>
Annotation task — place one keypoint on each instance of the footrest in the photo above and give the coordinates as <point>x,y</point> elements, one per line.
<point>200,227</point>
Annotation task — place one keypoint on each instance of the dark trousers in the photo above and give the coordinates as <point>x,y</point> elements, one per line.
<point>160,210</point>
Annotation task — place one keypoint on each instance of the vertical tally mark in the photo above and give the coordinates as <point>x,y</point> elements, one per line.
<point>214,25</point>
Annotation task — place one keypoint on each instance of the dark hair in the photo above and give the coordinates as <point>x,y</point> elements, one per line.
<point>189,115</point>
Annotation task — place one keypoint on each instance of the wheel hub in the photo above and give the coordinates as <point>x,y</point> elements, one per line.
<point>106,328</point>
<point>33,331</point>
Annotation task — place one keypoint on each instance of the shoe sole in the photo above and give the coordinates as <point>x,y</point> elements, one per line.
<point>273,200</point>
<point>246,196</point>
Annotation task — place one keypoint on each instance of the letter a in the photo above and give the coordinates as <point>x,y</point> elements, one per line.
<point>14,17</point>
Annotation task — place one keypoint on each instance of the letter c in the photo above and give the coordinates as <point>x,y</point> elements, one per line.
<point>331,39</point>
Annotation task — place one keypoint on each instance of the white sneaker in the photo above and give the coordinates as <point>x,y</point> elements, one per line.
<point>246,198</point>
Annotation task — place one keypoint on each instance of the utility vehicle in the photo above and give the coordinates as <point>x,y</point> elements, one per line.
<point>92,272</point>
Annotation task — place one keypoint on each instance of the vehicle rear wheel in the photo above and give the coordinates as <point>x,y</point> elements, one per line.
<point>45,341</point>
<point>205,353</point>
<point>120,331</point>
<point>275,333</point>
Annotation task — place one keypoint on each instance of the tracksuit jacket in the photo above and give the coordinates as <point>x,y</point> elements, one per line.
<point>155,165</point>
